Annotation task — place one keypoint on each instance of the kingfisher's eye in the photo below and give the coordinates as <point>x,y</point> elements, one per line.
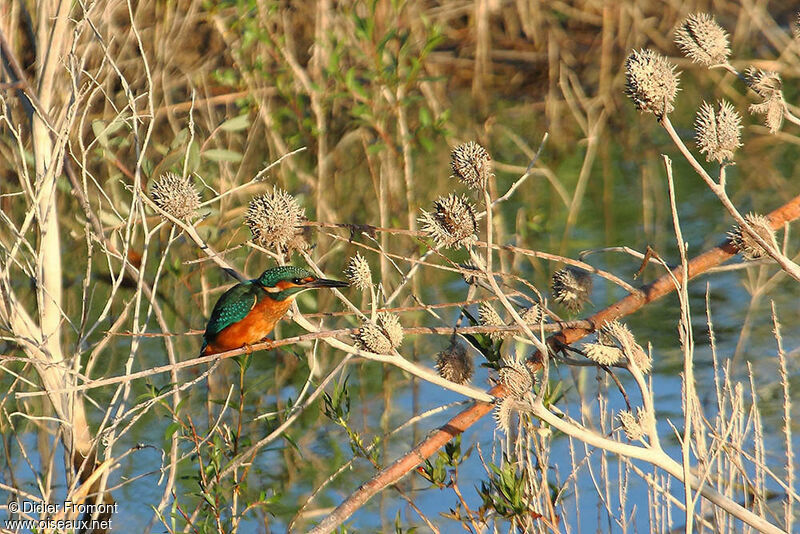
<point>297,281</point>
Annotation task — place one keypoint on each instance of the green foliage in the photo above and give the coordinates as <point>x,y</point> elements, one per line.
<point>337,409</point>
<point>505,493</point>
<point>436,472</point>
<point>485,344</point>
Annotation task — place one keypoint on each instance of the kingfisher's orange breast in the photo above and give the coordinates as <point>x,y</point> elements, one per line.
<point>253,328</point>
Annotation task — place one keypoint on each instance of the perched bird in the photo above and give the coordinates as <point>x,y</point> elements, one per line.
<point>248,311</point>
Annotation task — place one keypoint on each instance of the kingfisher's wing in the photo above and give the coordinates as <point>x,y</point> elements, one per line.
<point>232,307</point>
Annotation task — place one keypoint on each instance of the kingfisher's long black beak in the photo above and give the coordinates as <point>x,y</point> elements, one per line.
<point>324,282</point>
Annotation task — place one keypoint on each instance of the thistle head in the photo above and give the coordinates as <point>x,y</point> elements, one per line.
<point>503,415</point>
<point>769,87</point>
<point>454,364</point>
<point>718,131</point>
<point>452,223</point>
<point>651,82</point>
<point>617,334</point>
<point>603,354</point>
<point>703,40</point>
<point>274,220</point>
<point>516,378</point>
<point>358,272</point>
<point>381,336</point>
<point>631,425</point>
<point>745,244</point>
<point>533,315</point>
<point>176,195</point>
<point>572,287</point>
<point>487,316</point>
<point>472,165</point>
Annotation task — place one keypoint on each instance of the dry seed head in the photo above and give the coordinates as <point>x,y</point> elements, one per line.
<point>371,337</point>
<point>454,364</point>
<point>603,354</point>
<point>487,316</point>
<point>703,40</point>
<point>176,195</point>
<point>631,426</point>
<point>516,378</point>
<point>358,272</point>
<point>646,420</point>
<point>619,333</point>
<point>382,335</point>
<point>274,220</point>
<point>623,338</point>
<point>718,132</point>
<point>452,223</point>
<point>503,412</point>
<point>533,316</point>
<point>572,287</point>
<point>390,323</point>
<point>744,242</point>
<point>764,82</point>
<point>472,165</point>
<point>651,82</point>
<point>773,111</point>
<point>769,87</point>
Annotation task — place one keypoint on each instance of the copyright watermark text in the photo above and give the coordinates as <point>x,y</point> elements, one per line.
<point>68,508</point>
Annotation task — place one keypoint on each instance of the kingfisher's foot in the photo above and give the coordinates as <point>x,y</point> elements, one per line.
<point>248,348</point>
<point>268,341</point>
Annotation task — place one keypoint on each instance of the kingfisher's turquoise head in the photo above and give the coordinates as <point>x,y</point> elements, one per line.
<point>287,281</point>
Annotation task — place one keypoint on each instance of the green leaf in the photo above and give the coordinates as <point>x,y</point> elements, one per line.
<point>222,154</point>
<point>236,124</point>
<point>171,429</point>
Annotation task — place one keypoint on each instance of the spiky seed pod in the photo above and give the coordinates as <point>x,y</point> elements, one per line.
<point>746,245</point>
<point>767,84</point>
<point>769,87</point>
<point>516,378</point>
<point>454,364</point>
<point>703,40</point>
<point>390,323</point>
<point>603,354</point>
<point>773,111</point>
<point>382,335</point>
<point>471,164</point>
<point>503,413</point>
<point>572,287</point>
<point>452,223</point>
<point>487,316</point>
<point>533,315</point>
<point>718,132</point>
<point>370,336</point>
<point>358,272</point>
<point>622,337</point>
<point>646,420</point>
<point>619,333</point>
<point>630,424</point>
<point>176,195</point>
<point>274,220</point>
<point>651,82</point>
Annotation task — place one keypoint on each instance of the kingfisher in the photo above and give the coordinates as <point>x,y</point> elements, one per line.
<point>248,311</point>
